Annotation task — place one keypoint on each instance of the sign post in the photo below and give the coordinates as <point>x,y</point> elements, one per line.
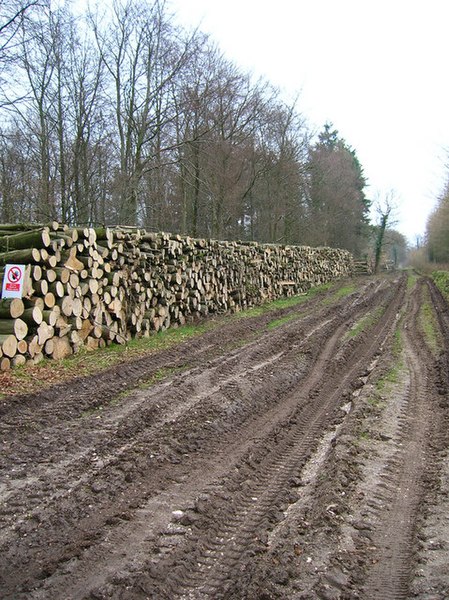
<point>13,281</point>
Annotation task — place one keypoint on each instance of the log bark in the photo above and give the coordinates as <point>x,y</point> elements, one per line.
<point>11,308</point>
<point>20,257</point>
<point>25,239</point>
<point>32,316</point>
<point>15,327</point>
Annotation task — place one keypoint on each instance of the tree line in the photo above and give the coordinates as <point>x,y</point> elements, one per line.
<point>120,116</point>
<point>437,230</point>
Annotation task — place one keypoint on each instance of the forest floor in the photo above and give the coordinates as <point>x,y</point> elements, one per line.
<point>300,453</point>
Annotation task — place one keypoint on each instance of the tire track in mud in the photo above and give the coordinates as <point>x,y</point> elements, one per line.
<point>355,530</point>
<point>228,536</point>
<point>374,536</point>
<point>402,482</point>
<point>138,445</point>
<point>70,528</point>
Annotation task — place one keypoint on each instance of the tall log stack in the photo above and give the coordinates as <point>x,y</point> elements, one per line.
<point>92,287</point>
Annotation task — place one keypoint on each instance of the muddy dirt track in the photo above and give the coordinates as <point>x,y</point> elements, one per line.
<point>299,454</point>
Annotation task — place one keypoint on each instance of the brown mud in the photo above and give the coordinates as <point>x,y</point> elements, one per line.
<point>299,454</point>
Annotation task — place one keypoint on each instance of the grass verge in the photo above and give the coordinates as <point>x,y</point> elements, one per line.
<point>441,279</point>
<point>429,326</point>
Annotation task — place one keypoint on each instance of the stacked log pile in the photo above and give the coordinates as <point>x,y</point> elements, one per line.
<point>92,287</point>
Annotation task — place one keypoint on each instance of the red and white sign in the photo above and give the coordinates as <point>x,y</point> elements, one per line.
<point>13,281</point>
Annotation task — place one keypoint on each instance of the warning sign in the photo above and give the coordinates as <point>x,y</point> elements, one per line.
<point>13,281</point>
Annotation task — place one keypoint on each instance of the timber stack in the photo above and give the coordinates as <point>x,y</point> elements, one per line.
<point>90,287</point>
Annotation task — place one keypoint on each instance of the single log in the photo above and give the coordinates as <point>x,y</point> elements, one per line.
<point>85,329</point>
<point>49,300</point>
<point>62,326</point>
<point>41,287</point>
<point>37,358</point>
<point>34,301</point>
<point>49,346</point>
<point>18,257</point>
<point>5,364</point>
<point>54,225</point>
<point>51,275</point>
<point>15,327</point>
<point>33,346</point>
<point>75,322</point>
<point>7,228</point>
<point>36,273</point>
<point>77,307</point>
<point>22,346</point>
<point>25,239</point>
<point>8,344</point>
<point>66,306</point>
<point>51,316</point>
<point>74,280</point>
<point>32,316</point>
<point>93,286</point>
<point>63,274</point>
<point>11,308</point>
<point>87,305</point>
<point>57,289</point>
<point>75,340</point>
<point>91,343</point>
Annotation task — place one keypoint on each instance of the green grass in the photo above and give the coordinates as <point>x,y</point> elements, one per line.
<point>281,303</point>
<point>340,293</point>
<point>365,323</point>
<point>376,402</point>
<point>284,303</point>
<point>441,279</point>
<point>278,322</point>
<point>412,278</point>
<point>397,343</point>
<point>429,327</point>
<point>392,376</point>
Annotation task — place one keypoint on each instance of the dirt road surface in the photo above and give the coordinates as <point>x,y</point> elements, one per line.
<point>297,454</point>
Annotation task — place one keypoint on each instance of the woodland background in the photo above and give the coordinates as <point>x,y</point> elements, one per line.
<point>118,116</point>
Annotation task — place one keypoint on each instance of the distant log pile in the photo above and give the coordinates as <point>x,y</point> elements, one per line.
<point>92,287</point>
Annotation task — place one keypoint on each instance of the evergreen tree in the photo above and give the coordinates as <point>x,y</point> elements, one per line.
<point>337,205</point>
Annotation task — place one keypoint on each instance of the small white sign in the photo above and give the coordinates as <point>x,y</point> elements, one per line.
<point>13,281</point>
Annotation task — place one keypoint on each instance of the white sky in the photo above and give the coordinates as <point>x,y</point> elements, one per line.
<point>377,69</point>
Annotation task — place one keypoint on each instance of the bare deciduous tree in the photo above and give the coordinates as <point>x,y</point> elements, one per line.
<point>124,118</point>
<point>385,208</point>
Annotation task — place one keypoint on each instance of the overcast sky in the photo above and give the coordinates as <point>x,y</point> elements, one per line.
<point>377,69</point>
